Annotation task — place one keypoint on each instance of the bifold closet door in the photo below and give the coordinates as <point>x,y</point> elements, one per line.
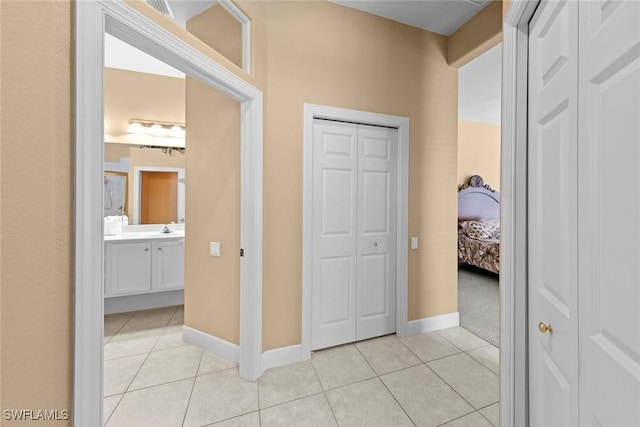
<point>609,213</point>
<point>552,211</point>
<point>334,265</point>
<point>354,217</point>
<point>376,271</point>
<point>584,214</point>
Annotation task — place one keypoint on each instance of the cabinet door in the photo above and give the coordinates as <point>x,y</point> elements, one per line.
<point>168,264</point>
<point>129,268</point>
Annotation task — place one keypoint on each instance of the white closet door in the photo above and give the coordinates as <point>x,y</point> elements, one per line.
<point>552,210</point>
<point>376,277</point>
<point>354,233</point>
<point>609,213</point>
<point>334,264</point>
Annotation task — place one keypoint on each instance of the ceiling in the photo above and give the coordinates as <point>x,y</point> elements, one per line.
<point>183,10</point>
<point>438,16</point>
<point>118,54</point>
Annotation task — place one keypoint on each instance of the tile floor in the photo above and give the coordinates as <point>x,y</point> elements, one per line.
<point>154,378</point>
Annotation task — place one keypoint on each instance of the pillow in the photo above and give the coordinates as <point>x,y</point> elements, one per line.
<point>481,230</point>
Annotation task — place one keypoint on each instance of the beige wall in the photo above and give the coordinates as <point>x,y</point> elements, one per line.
<point>356,65</point>
<point>115,152</point>
<point>227,36</point>
<point>479,152</point>
<point>479,34</point>
<point>212,284</point>
<point>36,195</point>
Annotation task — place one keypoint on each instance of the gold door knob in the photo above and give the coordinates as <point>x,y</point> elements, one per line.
<point>544,327</point>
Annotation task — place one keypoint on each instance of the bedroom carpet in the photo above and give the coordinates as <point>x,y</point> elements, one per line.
<point>479,302</point>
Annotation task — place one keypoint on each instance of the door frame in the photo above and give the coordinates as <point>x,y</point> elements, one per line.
<point>514,382</point>
<point>92,20</point>
<point>136,206</point>
<point>311,112</point>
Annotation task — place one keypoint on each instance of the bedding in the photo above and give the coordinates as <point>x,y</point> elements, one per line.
<point>479,225</point>
<point>479,244</point>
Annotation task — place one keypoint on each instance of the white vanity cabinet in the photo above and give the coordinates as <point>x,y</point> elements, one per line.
<point>143,265</point>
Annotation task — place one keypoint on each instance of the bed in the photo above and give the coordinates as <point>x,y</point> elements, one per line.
<point>479,225</point>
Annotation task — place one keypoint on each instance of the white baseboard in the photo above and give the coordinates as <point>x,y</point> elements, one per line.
<point>294,353</point>
<point>435,323</point>
<point>212,344</point>
<point>282,356</point>
<point>143,301</point>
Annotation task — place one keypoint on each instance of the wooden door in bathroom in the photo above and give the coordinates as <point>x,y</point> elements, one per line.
<point>159,197</point>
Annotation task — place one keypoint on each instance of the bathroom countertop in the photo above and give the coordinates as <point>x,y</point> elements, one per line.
<point>144,235</point>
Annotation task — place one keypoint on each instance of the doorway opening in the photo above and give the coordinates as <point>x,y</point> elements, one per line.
<point>93,21</point>
<point>159,195</point>
<point>479,101</point>
<point>159,202</point>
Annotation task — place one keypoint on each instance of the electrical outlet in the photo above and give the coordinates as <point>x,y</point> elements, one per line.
<point>414,243</point>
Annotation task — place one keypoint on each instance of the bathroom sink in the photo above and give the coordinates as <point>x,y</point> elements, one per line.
<point>145,235</point>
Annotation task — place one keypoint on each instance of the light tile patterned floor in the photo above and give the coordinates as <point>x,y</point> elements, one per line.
<point>154,378</point>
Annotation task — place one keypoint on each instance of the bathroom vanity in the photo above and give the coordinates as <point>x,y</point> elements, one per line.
<point>143,270</point>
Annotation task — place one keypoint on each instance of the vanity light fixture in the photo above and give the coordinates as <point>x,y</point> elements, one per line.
<point>152,128</point>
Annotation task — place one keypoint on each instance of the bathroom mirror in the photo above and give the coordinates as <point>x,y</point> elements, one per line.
<point>154,183</point>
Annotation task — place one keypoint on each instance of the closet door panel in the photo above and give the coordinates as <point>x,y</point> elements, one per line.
<point>334,234</point>
<point>376,279</point>
<point>354,233</point>
<point>552,215</point>
<point>610,213</point>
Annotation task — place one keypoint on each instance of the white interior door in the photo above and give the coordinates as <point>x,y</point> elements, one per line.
<point>354,232</point>
<point>334,265</point>
<point>609,213</point>
<point>552,213</point>
<point>376,273</point>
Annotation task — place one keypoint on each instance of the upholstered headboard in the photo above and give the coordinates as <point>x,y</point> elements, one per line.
<point>477,201</point>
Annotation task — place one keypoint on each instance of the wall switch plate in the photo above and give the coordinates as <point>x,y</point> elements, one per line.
<point>214,248</point>
<point>414,243</point>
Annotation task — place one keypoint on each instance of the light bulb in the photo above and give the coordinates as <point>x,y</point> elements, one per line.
<point>135,127</point>
<point>177,131</point>
<point>156,130</point>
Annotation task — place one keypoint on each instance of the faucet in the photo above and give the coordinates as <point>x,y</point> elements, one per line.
<point>166,229</point>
